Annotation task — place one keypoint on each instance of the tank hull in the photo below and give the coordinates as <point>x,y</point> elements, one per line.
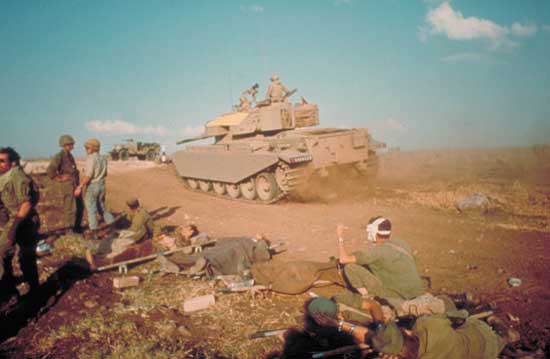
<point>249,168</point>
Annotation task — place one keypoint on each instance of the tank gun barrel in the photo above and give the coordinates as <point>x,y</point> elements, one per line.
<point>198,138</point>
<point>288,94</point>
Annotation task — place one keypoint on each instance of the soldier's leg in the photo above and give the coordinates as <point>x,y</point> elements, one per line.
<point>363,281</point>
<point>27,238</point>
<point>79,205</point>
<point>107,216</point>
<point>91,205</point>
<point>69,205</point>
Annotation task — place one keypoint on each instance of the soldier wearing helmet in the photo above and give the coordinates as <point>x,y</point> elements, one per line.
<point>62,168</point>
<point>93,179</point>
<point>276,91</point>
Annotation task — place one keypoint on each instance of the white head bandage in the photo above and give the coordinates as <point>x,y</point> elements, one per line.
<point>372,229</point>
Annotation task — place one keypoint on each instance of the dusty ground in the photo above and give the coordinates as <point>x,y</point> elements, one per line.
<point>474,252</point>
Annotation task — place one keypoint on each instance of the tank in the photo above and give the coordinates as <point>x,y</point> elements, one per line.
<point>141,150</point>
<point>268,151</point>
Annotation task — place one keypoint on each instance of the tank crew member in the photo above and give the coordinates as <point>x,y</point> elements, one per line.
<point>95,172</point>
<point>385,269</point>
<point>452,335</point>
<point>18,197</point>
<point>276,91</point>
<point>244,104</point>
<point>63,169</point>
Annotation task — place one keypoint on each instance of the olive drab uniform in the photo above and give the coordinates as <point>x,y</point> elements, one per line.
<point>473,339</point>
<point>15,189</point>
<point>63,164</point>
<point>142,227</point>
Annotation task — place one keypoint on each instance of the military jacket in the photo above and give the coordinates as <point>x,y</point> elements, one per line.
<point>63,163</point>
<point>142,225</point>
<point>473,340</point>
<point>393,264</point>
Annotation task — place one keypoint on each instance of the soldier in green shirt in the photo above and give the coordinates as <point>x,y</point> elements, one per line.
<point>142,227</point>
<point>385,269</point>
<point>18,198</point>
<point>429,337</point>
<point>62,168</point>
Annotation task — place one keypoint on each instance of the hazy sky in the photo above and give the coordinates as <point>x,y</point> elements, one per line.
<point>419,74</point>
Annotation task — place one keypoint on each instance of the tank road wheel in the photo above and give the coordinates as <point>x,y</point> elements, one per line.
<point>205,185</point>
<point>233,190</point>
<point>248,189</point>
<point>123,155</point>
<point>192,183</point>
<point>151,155</point>
<point>219,188</point>
<point>266,186</point>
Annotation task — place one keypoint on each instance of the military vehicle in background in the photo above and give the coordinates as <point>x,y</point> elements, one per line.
<point>142,150</point>
<point>271,150</point>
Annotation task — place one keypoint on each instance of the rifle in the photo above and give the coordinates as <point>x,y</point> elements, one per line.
<point>288,94</point>
<point>341,350</point>
<point>123,266</point>
<point>267,333</point>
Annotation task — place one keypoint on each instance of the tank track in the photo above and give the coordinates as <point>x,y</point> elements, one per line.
<point>290,178</point>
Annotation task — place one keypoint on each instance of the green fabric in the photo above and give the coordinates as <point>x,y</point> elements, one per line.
<point>15,187</point>
<point>69,204</point>
<point>388,339</point>
<point>474,340</point>
<point>63,163</point>
<point>321,305</point>
<point>396,270</point>
<point>360,277</point>
<point>142,224</point>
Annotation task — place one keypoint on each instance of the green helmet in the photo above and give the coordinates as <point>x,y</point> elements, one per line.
<point>66,140</point>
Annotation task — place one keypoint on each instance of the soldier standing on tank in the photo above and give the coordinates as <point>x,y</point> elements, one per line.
<point>244,104</point>
<point>276,91</point>
<point>18,198</point>
<point>63,169</point>
<point>93,179</point>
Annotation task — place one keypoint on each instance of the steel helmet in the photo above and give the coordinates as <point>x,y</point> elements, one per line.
<point>66,140</point>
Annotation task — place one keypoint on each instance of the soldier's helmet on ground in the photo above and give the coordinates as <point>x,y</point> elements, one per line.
<point>66,140</point>
<point>275,78</point>
<point>93,143</point>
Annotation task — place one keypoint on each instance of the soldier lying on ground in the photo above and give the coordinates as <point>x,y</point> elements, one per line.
<point>451,335</point>
<point>231,255</point>
<point>141,228</point>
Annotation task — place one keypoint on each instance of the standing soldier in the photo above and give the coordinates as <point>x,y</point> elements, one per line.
<point>63,169</point>
<point>276,91</point>
<point>18,197</point>
<point>93,178</point>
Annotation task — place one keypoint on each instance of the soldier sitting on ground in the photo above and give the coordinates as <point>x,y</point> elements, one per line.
<point>387,270</point>
<point>451,335</point>
<point>142,227</point>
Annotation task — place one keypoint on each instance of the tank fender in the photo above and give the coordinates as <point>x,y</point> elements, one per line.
<point>223,167</point>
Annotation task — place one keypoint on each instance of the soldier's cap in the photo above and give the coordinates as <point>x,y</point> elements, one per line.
<point>322,305</point>
<point>275,78</point>
<point>132,202</point>
<point>93,143</point>
<point>388,339</point>
<point>66,140</point>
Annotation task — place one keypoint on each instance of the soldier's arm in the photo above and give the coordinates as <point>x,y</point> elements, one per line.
<point>53,167</point>
<point>343,255</point>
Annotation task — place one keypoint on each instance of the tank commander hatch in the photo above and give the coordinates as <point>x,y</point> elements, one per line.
<point>277,91</point>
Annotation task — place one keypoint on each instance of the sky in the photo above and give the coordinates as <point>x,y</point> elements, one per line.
<point>420,74</point>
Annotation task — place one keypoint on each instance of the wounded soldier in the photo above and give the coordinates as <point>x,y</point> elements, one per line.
<point>141,228</point>
<point>230,255</point>
<point>449,335</point>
